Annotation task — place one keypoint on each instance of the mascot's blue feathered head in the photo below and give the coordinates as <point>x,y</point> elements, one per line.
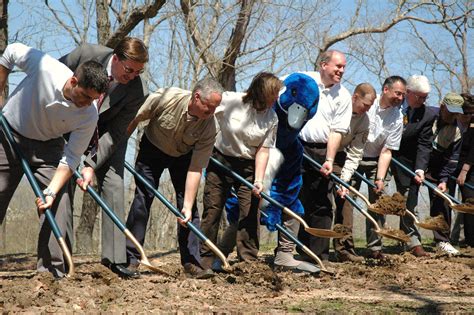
<point>298,102</point>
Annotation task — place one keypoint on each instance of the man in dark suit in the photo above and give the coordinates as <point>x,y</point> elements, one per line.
<point>106,156</point>
<point>414,152</point>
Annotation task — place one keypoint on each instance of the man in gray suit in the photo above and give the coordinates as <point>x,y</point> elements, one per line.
<point>106,154</point>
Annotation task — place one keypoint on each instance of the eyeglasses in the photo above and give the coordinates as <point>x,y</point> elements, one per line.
<point>420,98</point>
<point>127,69</point>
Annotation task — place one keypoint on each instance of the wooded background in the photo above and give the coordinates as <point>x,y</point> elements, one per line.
<point>234,40</point>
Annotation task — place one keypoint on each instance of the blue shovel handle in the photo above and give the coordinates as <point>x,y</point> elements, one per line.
<point>465,184</point>
<point>177,213</point>
<point>425,182</point>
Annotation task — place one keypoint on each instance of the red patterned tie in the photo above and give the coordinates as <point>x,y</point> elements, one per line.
<point>93,146</point>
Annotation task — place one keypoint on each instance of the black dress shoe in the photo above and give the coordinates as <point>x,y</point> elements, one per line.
<point>122,271</point>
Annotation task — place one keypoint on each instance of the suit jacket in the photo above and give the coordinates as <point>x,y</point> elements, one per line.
<point>118,108</point>
<point>417,138</point>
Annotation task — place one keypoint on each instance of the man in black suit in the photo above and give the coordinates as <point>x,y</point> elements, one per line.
<point>117,108</point>
<point>414,152</point>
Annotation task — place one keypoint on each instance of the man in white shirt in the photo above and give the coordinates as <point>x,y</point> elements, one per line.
<point>385,133</point>
<point>49,102</point>
<point>321,138</point>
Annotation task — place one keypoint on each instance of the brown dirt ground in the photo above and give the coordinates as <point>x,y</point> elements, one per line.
<point>404,284</point>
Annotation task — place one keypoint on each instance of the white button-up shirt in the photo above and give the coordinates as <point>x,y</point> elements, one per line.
<point>38,110</point>
<point>386,128</point>
<point>334,112</point>
<point>242,130</point>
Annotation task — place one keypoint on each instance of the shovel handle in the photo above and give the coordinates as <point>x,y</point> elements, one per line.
<point>447,197</point>
<point>37,190</point>
<point>249,185</point>
<point>107,209</point>
<point>177,213</point>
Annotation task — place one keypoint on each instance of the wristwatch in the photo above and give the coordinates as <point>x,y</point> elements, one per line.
<point>49,192</point>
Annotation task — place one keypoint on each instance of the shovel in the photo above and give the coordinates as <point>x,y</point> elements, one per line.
<point>108,210</point>
<point>176,212</point>
<point>434,224</point>
<point>394,234</point>
<point>453,202</point>
<point>308,251</point>
<point>313,231</point>
<point>37,190</point>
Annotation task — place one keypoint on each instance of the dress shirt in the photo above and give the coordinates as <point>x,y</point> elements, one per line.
<point>243,129</point>
<point>172,130</point>
<point>38,110</point>
<point>333,114</point>
<point>385,131</point>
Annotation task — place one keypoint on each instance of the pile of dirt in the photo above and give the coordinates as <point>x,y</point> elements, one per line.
<point>437,223</point>
<point>395,204</point>
<point>395,234</point>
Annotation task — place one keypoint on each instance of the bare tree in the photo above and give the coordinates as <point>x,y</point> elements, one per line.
<point>446,57</point>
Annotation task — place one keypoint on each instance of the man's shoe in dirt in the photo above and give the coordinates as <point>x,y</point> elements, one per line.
<point>447,248</point>
<point>196,272</point>
<point>418,251</point>
<point>346,256</point>
<point>122,271</point>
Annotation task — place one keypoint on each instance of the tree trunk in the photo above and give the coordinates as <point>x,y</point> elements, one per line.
<point>102,21</point>
<point>4,35</point>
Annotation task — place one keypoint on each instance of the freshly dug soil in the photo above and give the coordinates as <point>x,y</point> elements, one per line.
<point>395,204</point>
<point>342,229</point>
<point>437,284</point>
<point>438,223</point>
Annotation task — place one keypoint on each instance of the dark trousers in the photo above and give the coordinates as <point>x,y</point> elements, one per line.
<point>216,191</point>
<point>468,193</point>
<point>409,188</point>
<point>316,200</point>
<point>151,162</point>
<point>344,214</point>
<point>43,158</point>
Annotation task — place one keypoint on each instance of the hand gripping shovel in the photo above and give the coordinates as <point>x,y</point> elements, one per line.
<point>313,231</point>
<point>435,224</point>
<point>465,184</point>
<point>176,212</point>
<point>37,190</point>
<point>453,202</point>
<point>144,259</point>
<point>390,233</point>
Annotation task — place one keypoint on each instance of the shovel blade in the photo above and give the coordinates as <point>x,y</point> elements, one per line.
<point>146,263</point>
<point>401,238</point>
<point>464,208</point>
<point>323,233</point>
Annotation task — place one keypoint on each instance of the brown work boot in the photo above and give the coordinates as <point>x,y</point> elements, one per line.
<point>377,254</point>
<point>193,271</point>
<point>346,256</point>
<point>418,251</point>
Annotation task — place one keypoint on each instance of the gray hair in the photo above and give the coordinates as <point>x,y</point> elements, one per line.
<point>326,56</point>
<point>418,83</point>
<point>207,86</point>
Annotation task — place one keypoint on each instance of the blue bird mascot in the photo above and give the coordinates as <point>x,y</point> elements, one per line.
<point>297,103</point>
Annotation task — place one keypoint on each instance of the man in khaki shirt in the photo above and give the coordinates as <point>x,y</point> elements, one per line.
<point>180,137</point>
<point>347,160</point>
